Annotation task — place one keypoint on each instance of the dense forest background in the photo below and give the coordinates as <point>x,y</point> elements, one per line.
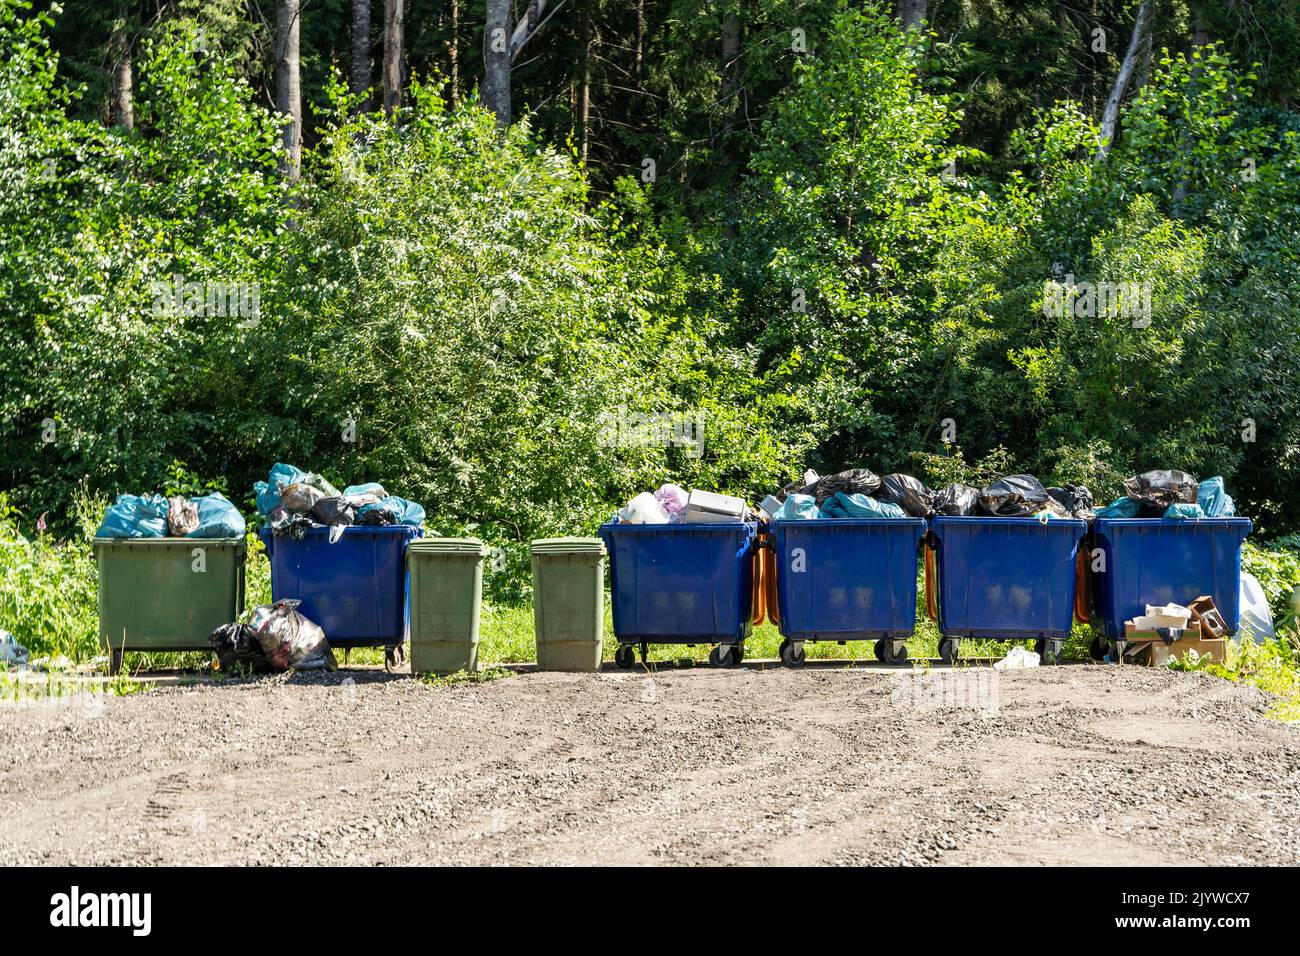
<point>495,254</point>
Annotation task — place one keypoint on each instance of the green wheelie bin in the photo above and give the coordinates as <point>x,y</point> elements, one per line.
<point>569,603</point>
<point>446,582</point>
<point>166,594</point>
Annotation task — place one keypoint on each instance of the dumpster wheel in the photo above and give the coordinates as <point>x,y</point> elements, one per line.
<point>726,655</point>
<point>891,652</point>
<point>625,656</point>
<point>1049,651</point>
<point>394,656</point>
<point>792,653</point>
<point>950,649</point>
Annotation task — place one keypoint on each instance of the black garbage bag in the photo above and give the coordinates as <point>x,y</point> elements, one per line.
<point>1154,491</point>
<point>290,640</point>
<point>376,516</point>
<point>1075,499</point>
<point>908,493</point>
<point>336,510</point>
<point>855,481</point>
<point>237,645</point>
<point>1015,496</point>
<point>957,500</point>
<point>289,523</point>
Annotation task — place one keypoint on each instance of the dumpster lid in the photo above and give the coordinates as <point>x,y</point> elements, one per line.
<point>169,541</point>
<point>567,546</point>
<point>448,546</point>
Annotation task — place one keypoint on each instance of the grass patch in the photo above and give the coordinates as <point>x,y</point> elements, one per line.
<point>1272,666</point>
<point>465,677</point>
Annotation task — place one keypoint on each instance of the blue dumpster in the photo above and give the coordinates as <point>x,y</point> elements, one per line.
<point>681,584</point>
<point>846,579</point>
<point>355,588</point>
<point>1165,560</point>
<point>1006,579</point>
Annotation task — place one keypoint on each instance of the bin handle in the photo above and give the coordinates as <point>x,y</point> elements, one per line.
<point>1083,584</point>
<point>931,574</point>
<point>758,598</point>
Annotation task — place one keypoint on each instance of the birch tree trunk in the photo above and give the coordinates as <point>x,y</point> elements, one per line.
<point>1110,119</point>
<point>288,86</point>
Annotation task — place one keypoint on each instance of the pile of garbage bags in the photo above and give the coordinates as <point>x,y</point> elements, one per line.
<point>1170,494</point>
<point>153,516</point>
<point>276,638</point>
<point>293,501</point>
<point>858,493</point>
<point>854,493</point>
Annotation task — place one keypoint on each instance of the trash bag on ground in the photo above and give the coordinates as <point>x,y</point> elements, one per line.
<point>854,481</point>
<point>1077,500</point>
<point>1015,496</point>
<point>408,512</point>
<point>860,506</point>
<point>797,507</point>
<point>182,516</point>
<point>135,516</point>
<point>957,500</point>
<point>290,640</point>
<point>1214,499</point>
<point>218,518</point>
<point>268,492</point>
<point>237,644</point>
<point>1184,511</point>
<point>11,652</point>
<point>1124,507</point>
<point>908,493</point>
<point>1255,617</point>
<point>1157,490</point>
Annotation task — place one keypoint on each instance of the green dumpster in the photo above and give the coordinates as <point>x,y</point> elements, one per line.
<point>569,602</point>
<point>446,593</point>
<point>166,594</point>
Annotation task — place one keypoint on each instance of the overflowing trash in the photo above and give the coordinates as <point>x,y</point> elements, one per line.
<point>671,504</point>
<point>236,645</point>
<point>153,516</point>
<point>853,493</point>
<point>294,501</point>
<point>276,638</point>
<point>1170,494</point>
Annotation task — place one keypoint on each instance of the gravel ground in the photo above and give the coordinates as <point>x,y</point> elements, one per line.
<point>827,765</point>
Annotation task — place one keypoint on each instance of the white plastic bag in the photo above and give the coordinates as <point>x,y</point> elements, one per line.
<point>1256,618</point>
<point>643,509</point>
<point>1016,659</point>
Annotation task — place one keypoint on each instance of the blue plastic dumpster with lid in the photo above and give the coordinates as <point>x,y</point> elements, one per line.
<point>1165,561</point>
<point>846,579</point>
<point>355,588</point>
<point>689,583</point>
<point>1006,579</point>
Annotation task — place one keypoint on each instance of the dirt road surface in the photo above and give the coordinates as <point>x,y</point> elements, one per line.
<point>1074,764</point>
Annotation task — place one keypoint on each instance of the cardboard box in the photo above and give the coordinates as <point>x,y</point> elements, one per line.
<point>1148,647</point>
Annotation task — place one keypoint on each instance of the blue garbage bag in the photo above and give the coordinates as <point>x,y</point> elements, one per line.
<point>1124,507</point>
<point>1184,510</point>
<point>218,518</point>
<point>841,505</point>
<point>135,516</point>
<point>369,488</point>
<point>797,508</point>
<point>1214,500</point>
<point>403,511</point>
<point>268,492</point>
